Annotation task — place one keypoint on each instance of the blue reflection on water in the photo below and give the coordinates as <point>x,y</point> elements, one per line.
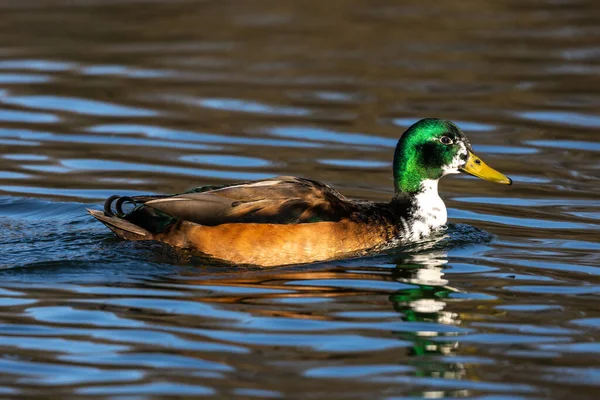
<point>225,160</point>
<point>325,135</point>
<point>122,70</point>
<point>247,106</point>
<point>78,105</point>
<point>37,65</point>
<point>563,118</point>
<point>171,134</point>
<point>107,165</point>
<point>26,116</point>
<point>22,78</point>
<point>567,144</point>
<point>464,125</point>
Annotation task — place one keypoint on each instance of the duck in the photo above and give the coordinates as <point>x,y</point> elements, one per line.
<point>292,220</point>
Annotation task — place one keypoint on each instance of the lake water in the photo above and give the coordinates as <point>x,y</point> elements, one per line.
<point>129,97</point>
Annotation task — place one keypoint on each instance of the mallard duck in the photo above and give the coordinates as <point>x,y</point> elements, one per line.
<point>291,220</point>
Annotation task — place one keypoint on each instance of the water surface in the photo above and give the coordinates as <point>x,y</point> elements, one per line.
<point>132,97</point>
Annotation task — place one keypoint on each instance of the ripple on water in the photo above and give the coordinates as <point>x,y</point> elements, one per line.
<point>125,71</point>
<point>53,169</point>
<point>56,374</point>
<point>13,175</point>
<point>77,105</point>
<point>225,160</point>
<point>70,315</point>
<point>571,376</point>
<point>25,157</point>
<point>151,360</point>
<point>154,389</point>
<point>325,135</point>
<point>11,302</point>
<point>496,149</point>
<point>37,65</point>
<point>355,163</point>
<point>587,322</point>
<point>328,96</point>
<point>7,115</point>
<point>6,79</point>
<point>64,346</point>
<point>556,290</point>
<point>358,371</point>
<point>568,118</point>
<point>191,136</point>
<point>528,202</point>
<point>105,165</point>
<point>73,193</point>
<point>520,222</point>
<point>529,307</point>
<point>567,144</point>
<point>335,342</point>
<point>528,179</point>
<point>128,141</point>
<point>352,283</point>
<point>463,125</point>
<point>247,107</point>
<point>179,307</point>
<point>461,314</point>
<point>578,348</point>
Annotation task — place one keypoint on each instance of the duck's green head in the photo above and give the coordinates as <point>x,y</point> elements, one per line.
<point>432,148</point>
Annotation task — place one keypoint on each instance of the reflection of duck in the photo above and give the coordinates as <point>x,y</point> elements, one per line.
<point>425,303</point>
<point>288,220</point>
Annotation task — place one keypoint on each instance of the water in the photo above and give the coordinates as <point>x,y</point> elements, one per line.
<point>103,97</point>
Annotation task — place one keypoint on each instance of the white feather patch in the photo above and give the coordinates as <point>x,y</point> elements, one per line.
<point>429,211</point>
<point>457,161</point>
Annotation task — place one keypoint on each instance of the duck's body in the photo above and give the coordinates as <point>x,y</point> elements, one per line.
<point>290,220</point>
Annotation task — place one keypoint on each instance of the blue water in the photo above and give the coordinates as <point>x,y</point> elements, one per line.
<point>100,98</point>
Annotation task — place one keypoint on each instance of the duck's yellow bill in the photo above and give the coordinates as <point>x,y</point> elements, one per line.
<point>478,168</point>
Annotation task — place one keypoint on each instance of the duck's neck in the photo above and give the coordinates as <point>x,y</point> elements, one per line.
<point>428,204</point>
<point>427,210</point>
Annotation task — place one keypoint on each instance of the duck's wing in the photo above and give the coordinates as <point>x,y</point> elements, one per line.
<point>281,200</point>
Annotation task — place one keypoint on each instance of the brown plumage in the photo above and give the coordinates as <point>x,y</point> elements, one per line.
<point>283,220</point>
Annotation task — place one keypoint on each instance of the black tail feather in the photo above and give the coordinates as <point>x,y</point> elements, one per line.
<point>141,222</point>
<point>108,205</point>
<point>119,205</point>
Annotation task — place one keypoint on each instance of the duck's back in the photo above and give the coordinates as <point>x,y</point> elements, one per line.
<point>281,200</point>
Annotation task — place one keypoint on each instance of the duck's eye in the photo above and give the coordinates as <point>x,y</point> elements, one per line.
<point>446,140</point>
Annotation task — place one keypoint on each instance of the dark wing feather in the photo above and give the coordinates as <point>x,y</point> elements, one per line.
<point>281,200</point>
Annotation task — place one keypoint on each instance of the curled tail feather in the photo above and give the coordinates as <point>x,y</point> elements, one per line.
<point>108,210</point>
